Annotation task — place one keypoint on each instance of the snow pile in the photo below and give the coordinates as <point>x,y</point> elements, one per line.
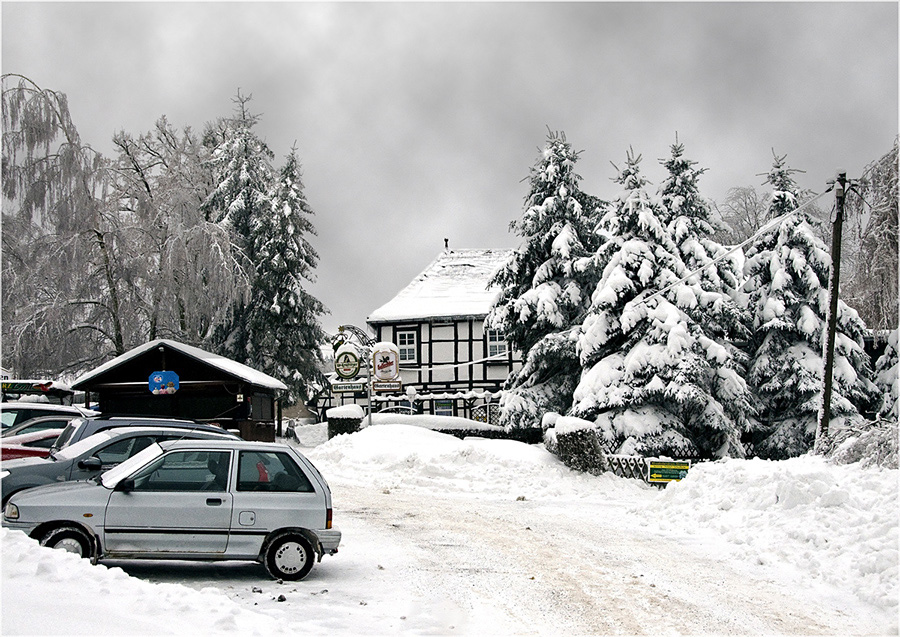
<point>403,456</point>
<point>345,411</point>
<point>832,523</point>
<point>51,592</point>
<point>444,423</point>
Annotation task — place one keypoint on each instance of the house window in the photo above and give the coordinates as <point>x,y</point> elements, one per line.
<point>406,341</point>
<point>443,408</point>
<point>496,344</point>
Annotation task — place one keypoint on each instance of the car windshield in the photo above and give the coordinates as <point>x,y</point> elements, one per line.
<point>74,450</point>
<point>112,477</point>
<point>68,432</point>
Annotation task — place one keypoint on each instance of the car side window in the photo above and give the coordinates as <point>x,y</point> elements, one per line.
<point>271,471</point>
<point>47,424</point>
<point>122,450</point>
<point>186,471</point>
<point>46,443</point>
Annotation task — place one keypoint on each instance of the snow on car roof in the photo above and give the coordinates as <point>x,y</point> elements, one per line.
<point>74,410</point>
<point>454,284</point>
<point>227,365</point>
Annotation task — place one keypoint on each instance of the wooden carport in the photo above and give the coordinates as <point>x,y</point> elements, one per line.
<point>210,388</point>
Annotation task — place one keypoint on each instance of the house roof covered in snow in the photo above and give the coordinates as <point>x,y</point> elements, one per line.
<point>455,284</point>
<point>221,364</point>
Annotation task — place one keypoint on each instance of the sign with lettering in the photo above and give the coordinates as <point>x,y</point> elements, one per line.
<point>387,385</point>
<point>348,387</point>
<point>346,362</point>
<point>667,470</point>
<point>386,361</point>
<point>163,383</point>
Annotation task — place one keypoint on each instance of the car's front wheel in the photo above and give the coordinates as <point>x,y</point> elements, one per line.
<point>289,557</point>
<point>68,538</point>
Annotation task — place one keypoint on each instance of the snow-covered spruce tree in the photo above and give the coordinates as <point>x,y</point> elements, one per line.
<point>787,270</point>
<point>242,175</point>
<point>887,378</point>
<point>874,443</point>
<point>652,380</point>
<point>542,287</point>
<point>284,328</point>
<point>688,216</point>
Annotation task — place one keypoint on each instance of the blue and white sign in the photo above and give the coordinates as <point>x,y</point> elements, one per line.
<point>162,383</point>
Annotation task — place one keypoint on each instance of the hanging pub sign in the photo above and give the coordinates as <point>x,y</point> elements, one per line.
<point>385,361</point>
<point>346,361</point>
<point>162,383</point>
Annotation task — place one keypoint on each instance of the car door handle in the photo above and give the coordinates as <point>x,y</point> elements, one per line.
<point>213,502</point>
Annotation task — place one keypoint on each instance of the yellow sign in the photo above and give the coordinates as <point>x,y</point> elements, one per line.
<point>667,470</point>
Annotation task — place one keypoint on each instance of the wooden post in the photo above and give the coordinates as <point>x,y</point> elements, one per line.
<point>833,289</point>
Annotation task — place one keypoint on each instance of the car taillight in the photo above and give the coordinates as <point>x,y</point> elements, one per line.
<point>327,518</point>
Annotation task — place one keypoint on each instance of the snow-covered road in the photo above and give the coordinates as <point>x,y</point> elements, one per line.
<point>522,568</point>
<point>490,537</point>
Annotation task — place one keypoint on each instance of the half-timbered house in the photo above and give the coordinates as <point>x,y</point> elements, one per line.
<point>450,364</point>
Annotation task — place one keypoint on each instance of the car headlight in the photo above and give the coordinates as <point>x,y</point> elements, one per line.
<point>11,512</point>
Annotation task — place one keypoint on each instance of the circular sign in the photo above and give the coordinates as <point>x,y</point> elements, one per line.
<point>346,363</point>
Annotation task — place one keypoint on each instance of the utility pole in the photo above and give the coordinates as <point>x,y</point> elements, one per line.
<point>833,287</point>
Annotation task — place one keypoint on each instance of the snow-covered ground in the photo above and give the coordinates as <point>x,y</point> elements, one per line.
<point>475,536</point>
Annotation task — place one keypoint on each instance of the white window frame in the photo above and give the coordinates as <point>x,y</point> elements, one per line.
<point>410,348</point>
<point>496,342</point>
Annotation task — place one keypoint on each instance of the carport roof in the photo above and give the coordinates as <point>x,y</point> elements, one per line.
<point>224,365</point>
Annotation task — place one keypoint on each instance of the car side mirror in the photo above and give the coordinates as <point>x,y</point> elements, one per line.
<point>90,464</point>
<point>125,486</point>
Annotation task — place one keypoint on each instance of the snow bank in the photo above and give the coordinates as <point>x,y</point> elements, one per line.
<point>444,423</point>
<point>835,524</point>
<point>50,592</point>
<point>404,456</point>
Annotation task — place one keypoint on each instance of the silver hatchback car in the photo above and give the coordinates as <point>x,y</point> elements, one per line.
<point>191,499</point>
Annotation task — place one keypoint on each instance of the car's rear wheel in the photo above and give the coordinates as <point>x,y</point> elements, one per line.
<point>289,557</point>
<point>70,539</point>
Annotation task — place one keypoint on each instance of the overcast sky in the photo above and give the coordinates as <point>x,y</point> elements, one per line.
<point>418,122</point>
